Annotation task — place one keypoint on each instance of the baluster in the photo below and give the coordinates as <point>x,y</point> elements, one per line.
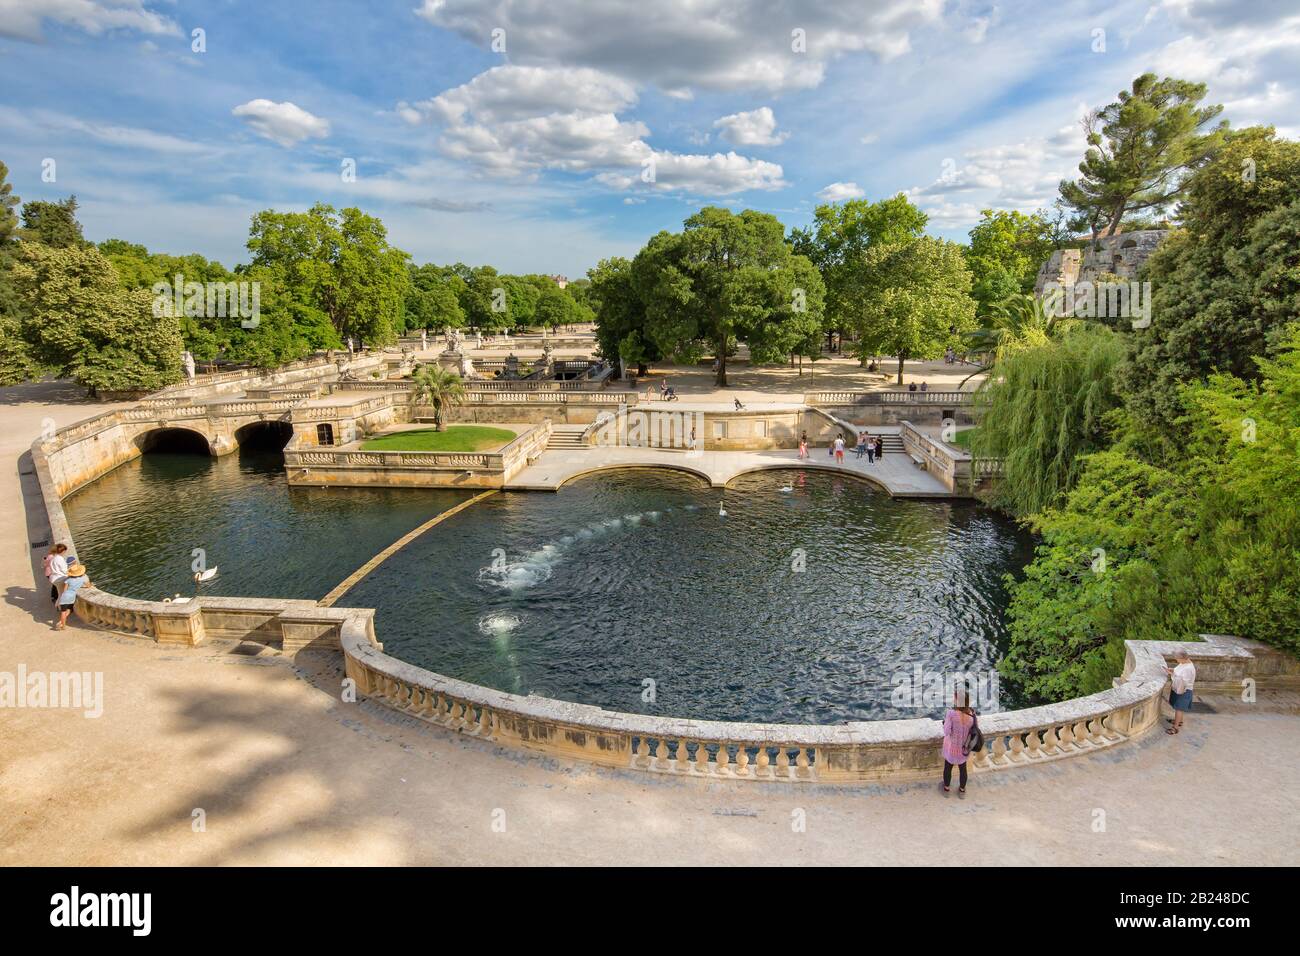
<point>701,757</point>
<point>722,759</point>
<point>997,750</point>
<point>661,754</point>
<point>1079,734</point>
<point>802,763</point>
<point>1067,737</point>
<point>642,755</point>
<point>1034,744</point>
<point>742,761</point>
<point>782,762</point>
<point>1050,741</point>
<point>763,769</point>
<point>1018,750</point>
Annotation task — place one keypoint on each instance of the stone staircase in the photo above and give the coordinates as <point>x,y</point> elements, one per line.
<point>566,437</point>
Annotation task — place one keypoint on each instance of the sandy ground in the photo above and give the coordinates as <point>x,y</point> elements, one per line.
<point>279,770</point>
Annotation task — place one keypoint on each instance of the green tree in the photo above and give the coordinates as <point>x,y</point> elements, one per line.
<point>1224,287</point>
<point>52,224</point>
<point>1046,405</point>
<point>437,387</point>
<point>556,307</point>
<point>912,300</point>
<point>839,236</point>
<point>1139,150</point>
<point>727,278</point>
<point>431,302</point>
<point>85,326</point>
<point>621,334</point>
<point>1006,250</point>
<point>16,364</point>
<point>338,263</point>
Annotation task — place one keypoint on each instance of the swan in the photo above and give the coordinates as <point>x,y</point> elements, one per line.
<point>722,512</point>
<point>207,575</point>
<point>786,489</point>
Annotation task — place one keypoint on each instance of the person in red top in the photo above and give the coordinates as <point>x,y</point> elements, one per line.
<point>956,729</point>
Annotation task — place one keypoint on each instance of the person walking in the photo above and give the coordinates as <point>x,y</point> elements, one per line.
<point>838,449</point>
<point>871,449</point>
<point>880,448</point>
<point>957,726</point>
<point>75,581</point>
<point>862,444</point>
<point>56,569</point>
<point>1182,679</point>
<point>803,445</point>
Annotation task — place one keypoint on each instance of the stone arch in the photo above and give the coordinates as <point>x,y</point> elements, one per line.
<point>633,466</point>
<point>270,434</point>
<point>174,438</point>
<point>810,465</point>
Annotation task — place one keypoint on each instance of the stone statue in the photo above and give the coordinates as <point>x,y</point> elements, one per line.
<point>453,359</point>
<point>424,340</point>
<point>351,348</point>
<point>187,363</point>
<point>548,358</point>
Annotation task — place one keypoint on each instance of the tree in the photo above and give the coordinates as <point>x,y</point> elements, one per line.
<point>839,236</point>
<point>431,302</point>
<point>437,387</point>
<point>339,263</point>
<point>1225,287</point>
<point>52,224</point>
<point>1139,150</point>
<point>727,278</point>
<point>912,300</point>
<point>621,334</point>
<point>1006,250</point>
<point>16,363</point>
<point>1046,405</point>
<point>1204,543</point>
<point>82,323</point>
<point>556,307</point>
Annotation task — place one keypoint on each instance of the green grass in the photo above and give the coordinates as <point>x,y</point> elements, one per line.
<point>963,438</point>
<point>455,438</point>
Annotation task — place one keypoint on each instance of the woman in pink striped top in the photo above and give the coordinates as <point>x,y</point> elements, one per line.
<point>956,729</point>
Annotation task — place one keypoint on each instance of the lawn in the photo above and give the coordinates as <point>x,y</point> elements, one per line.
<point>455,438</point>
<point>963,438</point>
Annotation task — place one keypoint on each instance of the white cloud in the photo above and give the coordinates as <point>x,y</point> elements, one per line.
<point>753,128</point>
<point>838,192</point>
<point>678,45</point>
<point>22,19</point>
<point>514,121</point>
<point>284,123</point>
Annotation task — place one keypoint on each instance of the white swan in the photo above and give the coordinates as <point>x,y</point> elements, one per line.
<point>785,490</point>
<point>207,575</point>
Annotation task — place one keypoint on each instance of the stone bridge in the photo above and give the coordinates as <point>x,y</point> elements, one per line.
<point>222,426</point>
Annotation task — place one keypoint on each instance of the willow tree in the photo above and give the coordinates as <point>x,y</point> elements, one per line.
<point>1046,406</point>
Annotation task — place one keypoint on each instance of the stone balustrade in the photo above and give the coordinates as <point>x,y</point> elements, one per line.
<point>888,398</point>
<point>889,750</point>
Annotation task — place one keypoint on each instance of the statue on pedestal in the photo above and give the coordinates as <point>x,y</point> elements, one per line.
<point>453,359</point>
<point>187,363</point>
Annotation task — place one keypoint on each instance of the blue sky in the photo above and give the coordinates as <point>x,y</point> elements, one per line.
<point>522,134</point>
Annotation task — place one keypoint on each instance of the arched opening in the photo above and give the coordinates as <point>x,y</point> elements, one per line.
<point>174,441</point>
<point>264,436</point>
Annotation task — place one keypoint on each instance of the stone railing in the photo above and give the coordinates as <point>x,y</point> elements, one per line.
<point>888,398</point>
<point>949,465</point>
<point>551,397</point>
<point>894,750</point>
<point>543,385</point>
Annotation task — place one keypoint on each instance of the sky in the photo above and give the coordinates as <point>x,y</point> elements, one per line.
<point>540,136</point>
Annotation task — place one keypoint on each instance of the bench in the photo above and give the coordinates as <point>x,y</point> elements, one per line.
<point>917,460</point>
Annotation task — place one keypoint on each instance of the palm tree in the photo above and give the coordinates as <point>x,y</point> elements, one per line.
<point>1019,321</point>
<point>437,387</point>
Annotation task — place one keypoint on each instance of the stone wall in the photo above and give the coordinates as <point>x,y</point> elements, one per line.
<point>1121,255</point>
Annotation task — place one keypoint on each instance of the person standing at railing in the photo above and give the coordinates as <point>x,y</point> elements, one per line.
<point>958,725</point>
<point>803,445</point>
<point>1182,679</point>
<point>75,581</point>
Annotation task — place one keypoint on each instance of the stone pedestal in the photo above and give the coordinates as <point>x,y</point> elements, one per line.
<point>454,360</point>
